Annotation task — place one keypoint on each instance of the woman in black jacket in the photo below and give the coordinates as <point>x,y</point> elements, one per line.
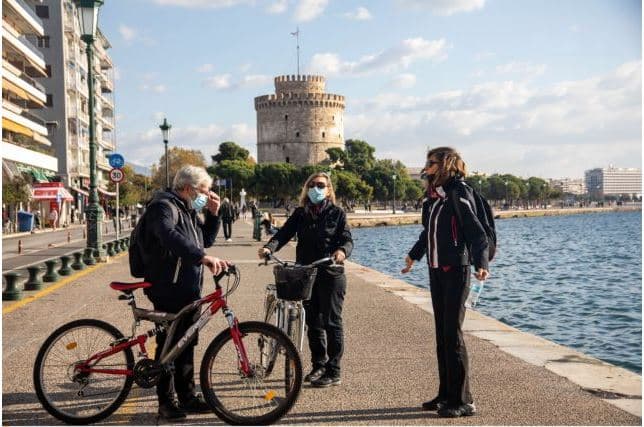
<point>322,231</point>
<point>453,238</point>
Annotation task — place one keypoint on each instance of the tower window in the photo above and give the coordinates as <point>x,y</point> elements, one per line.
<point>333,118</point>
<point>288,159</point>
<point>285,116</point>
<point>322,134</point>
<point>297,134</point>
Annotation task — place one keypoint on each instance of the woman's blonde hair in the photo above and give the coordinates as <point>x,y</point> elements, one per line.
<point>450,165</point>
<point>304,195</point>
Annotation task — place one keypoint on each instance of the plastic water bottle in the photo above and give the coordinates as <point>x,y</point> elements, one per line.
<point>475,291</point>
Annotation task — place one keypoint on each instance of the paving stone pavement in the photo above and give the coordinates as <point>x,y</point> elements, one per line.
<point>389,365</point>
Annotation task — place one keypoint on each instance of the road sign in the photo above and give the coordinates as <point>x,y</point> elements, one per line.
<point>117,175</point>
<point>116,161</point>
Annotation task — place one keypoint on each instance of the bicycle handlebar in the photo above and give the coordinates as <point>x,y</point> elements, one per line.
<point>322,261</point>
<point>232,270</point>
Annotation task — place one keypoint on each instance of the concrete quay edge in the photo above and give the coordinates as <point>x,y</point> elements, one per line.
<point>615,385</point>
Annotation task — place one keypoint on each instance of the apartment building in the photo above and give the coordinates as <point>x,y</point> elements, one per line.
<point>68,98</point>
<point>26,149</point>
<point>612,181</point>
<point>569,185</point>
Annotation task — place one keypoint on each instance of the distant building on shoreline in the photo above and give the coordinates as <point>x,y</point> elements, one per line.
<point>612,181</point>
<point>299,122</point>
<point>569,185</point>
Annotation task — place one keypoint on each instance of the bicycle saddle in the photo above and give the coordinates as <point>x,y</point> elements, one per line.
<point>125,287</point>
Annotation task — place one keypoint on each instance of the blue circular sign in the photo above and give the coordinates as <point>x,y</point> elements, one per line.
<point>117,161</point>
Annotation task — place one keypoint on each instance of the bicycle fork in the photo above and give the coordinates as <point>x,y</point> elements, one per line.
<point>242,356</point>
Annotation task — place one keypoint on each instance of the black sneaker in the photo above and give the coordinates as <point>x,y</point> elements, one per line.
<point>327,380</point>
<point>170,411</point>
<point>195,404</point>
<point>315,374</point>
<point>465,410</point>
<point>434,404</point>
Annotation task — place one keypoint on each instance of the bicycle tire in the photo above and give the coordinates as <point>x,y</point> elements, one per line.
<point>270,318</point>
<point>53,402</point>
<point>293,331</point>
<point>223,394</point>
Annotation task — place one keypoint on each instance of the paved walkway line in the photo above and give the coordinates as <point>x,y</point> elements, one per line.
<point>614,385</point>
<point>68,279</point>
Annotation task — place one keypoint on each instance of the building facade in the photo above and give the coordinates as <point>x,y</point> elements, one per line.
<point>569,185</point>
<point>27,150</point>
<point>299,122</point>
<point>68,98</point>
<point>612,181</point>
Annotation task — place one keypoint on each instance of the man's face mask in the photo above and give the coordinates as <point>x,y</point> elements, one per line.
<point>199,202</point>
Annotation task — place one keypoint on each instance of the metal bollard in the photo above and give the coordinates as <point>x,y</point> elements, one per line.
<point>84,233</point>
<point>19,246</point>
<point>88,259</point>
<point>50,275</point>
<point>65,270</point>
<point>96,254</point>
<point>117,246</point>
<point>11,292</point>
<point>78,262</point>
<point>257,230</point>
<point>110,249</point>
<point>33,283</point>
<point>123,246</point>
<point>69,236</point>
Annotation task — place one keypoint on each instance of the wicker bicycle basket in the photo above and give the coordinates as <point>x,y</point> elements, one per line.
<point>294,283</point>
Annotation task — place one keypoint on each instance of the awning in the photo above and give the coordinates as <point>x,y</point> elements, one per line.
<point>51,193</point>
<point>20,92</point>
<point>106,193</point>
<point>78,190</point>
<point>39,174</point>
<point>17,128</point>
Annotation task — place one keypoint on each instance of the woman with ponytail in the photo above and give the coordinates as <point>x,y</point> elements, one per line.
<point>453,239</point>
<point>322,231</point>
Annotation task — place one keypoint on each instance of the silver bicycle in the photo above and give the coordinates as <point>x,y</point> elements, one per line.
<point>283,302</point>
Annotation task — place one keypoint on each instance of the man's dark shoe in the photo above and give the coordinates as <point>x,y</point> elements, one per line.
<point>195,405</point>
<point>326,380</point>
<point>465,410</point>
<point>315,374</point>
<point>434,404</point>
<point>170,411</point>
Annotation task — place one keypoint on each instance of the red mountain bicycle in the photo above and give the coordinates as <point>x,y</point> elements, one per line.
<point>84,371</point>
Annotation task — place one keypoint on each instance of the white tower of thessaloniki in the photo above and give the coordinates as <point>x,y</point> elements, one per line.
<point>299,122</point>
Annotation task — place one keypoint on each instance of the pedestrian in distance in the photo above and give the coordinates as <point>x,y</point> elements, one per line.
<point>227,215</point>
<point>322,231</point>
<point>53,218</point>
<point>174,242</point>
<point>453,239</point>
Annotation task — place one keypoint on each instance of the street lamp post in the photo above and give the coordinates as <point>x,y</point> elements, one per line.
<point>88,19</point>
<point>394,178</point>
<point>506,194</point>
<point>165,131</point>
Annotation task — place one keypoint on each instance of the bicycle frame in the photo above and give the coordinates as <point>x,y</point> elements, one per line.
<point>217,302</point>
<point>283,311</point>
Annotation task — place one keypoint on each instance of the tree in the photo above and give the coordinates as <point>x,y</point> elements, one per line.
<point>132,189</point>
<point>337,155</point>
<point>229,150</point>
<point>178,158</point>
<point>239,171</point>
<point>359,156</point>
<point>14,192</point>
<point>276,181</point>
<point>350,187</point>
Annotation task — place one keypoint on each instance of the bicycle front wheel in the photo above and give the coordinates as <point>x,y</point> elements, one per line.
<point>253,399</point>
<point>72,396</point>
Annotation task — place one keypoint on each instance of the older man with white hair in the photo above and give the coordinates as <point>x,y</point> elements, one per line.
<point>175,238</point>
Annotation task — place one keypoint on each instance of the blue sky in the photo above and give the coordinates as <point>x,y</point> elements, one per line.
<point>546,88</point>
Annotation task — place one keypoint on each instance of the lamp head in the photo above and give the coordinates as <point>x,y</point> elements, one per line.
<point>88,18</point>
<point>165,129</point>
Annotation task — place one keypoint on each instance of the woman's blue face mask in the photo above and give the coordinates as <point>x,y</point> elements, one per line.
<point>317,195</point>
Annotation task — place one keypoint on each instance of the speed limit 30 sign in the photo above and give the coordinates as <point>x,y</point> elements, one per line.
<point>117,175</point>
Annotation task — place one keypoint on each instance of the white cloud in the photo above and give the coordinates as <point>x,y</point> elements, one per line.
<point>392,59</point>
<point>205,68</point>
<point>444,7</point>
<point>525,68</point>
<point>565,127</point>
<point>225,82</point>
<point>203,4</point>
<point>277,7</point>
<point>128,33</point>
<point>403,81</point>
<point>158,88</point>
<point>360,14</point>
<point>308,10</point>
<point>206,138</point>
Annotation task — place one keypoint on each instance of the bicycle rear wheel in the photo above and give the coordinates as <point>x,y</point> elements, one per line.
<point>74,397</point>
<point>251,400</point>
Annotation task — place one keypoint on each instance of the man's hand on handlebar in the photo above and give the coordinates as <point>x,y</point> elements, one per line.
<point>263,253</point>
<point>214,264</point>
<point>339,256</point>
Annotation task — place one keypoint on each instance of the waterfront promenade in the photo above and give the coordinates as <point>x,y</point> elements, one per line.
<point>388,368</point>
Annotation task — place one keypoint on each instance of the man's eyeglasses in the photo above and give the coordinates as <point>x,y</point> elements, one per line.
<point>320,185</point>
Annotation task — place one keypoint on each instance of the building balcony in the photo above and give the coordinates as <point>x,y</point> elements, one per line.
<point>23,46</point>
<point>107,122</point>
<point>23,17</point>
<point>21,154</point>
<point>15,115</point>
<point>107,86</point>
<point>22,85</point>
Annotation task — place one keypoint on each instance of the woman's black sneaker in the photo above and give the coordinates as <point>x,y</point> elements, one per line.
<point>326,380</point>
<point>465,410</point>
<point>315,374</point>
<point>434,404</point>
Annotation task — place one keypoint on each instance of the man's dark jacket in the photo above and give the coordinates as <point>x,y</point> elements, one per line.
<point>318,236</point>
<point>174,248</point>
<point>458,241</point>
